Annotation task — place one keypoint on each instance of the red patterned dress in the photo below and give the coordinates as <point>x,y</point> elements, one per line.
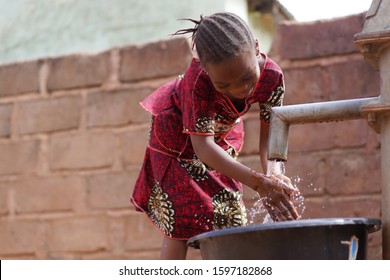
<point>181,195</point>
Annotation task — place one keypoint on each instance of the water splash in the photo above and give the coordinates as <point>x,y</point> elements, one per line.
<point>258,212</point>
<point>299,199</point>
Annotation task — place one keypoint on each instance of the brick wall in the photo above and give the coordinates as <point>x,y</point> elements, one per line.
<point>72,139</point>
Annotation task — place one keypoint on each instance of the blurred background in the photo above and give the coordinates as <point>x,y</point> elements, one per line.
<point>39,28</point>
<point>72,135</point>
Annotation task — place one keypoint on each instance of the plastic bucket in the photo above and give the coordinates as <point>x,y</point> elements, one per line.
<point>310,239</point>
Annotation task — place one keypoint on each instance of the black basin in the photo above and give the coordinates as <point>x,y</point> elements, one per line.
<point>310,239</point>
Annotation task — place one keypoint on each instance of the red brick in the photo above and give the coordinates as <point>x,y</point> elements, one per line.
<point>78,71</point>
<point>84,150</point>
<point>352,79</point>
<point>348,134</point>
<point>315,207</point>
<point>143,255</point>
<point>307,172</point>
<point>117,234</point>
<point>368,206</point>
<point>3,198</point>
<point>325,136</point>
<point>133,144</point>
<point>375,238</point>
<point>46,194</point>
<point>19,78</point>
<point>141,233</point>
<point>104,255</point>
<point>5,119</point>
<point>309,137</point>
<point>20,237</point>
<point>338,207</point>
<point>160,59</point>
<point>353,173</point>
<point>80,234</point>
<point>304,85</point>
<point>317,39</point>
<point>117,107</point>
<point>119,186</point>
<point>19,157</point>
<point>374,252</point>
<point>373,140</point>
<point>49,115</point>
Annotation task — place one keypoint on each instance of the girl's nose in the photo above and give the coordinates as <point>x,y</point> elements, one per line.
<point>240,89</point>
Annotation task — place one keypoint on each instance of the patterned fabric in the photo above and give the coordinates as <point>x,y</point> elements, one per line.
<point>195,168</point>
<point>228,210</point>
<point>180,194</point>
<point>275,99</point>
<point>160,210</point>
<point>204,125</point>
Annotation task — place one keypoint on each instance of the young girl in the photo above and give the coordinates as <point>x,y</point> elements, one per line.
<point>190,181</point>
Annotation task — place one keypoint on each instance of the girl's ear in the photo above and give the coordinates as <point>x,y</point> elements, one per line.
<point>257,48</point>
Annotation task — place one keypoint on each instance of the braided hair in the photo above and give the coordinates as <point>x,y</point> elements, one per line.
<point>219,36</point>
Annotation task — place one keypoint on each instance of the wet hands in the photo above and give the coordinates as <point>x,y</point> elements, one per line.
<point>276,193</point>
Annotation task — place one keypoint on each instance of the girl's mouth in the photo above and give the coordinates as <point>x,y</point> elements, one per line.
<point>246,93</point>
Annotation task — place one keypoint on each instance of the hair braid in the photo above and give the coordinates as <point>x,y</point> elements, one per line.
<point>219,36</point>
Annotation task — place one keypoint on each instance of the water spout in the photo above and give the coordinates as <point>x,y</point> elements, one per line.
<point>283,117</point>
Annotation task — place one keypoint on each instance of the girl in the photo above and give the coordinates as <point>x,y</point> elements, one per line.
<point>190,181</point>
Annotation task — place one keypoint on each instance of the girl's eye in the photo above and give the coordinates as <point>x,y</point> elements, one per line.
<point>245,79</point>
<point>222,87</point>
<point>249,78</point>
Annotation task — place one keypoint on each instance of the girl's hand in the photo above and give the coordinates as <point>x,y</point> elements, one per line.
<point>276,193</point>
<point>288,187</point>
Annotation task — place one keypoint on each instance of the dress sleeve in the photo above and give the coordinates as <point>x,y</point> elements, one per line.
<point>198,105</point>
<point>275,99</point>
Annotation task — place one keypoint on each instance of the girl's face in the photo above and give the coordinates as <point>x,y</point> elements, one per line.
<point>235,77</point>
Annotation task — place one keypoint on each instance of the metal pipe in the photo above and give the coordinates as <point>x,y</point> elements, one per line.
<point>283,117</point>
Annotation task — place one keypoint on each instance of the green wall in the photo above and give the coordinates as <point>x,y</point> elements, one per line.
<point>31,29</point>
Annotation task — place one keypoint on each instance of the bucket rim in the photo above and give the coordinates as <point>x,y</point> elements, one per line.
<point>372,225</point>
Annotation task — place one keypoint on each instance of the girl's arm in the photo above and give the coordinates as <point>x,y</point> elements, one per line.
<point>276,193</point>
<point>214,156</point>
<point>263,145</point>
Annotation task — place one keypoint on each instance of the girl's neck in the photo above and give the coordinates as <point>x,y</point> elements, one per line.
<point>239,104</point>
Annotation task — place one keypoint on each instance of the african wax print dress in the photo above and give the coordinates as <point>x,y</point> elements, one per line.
<point>180,194</point>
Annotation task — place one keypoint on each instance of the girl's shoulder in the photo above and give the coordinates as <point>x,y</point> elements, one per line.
<point>271,77</point>
<point>196,77</point>
<point>271,74</point>
<point>195,70</point>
